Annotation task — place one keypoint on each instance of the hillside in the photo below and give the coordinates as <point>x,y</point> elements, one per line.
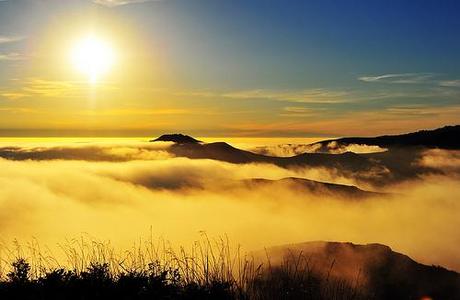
<point>378,270</point>
<point>443,138</point>
<point>323,189</point>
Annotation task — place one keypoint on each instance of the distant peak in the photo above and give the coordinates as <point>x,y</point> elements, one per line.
<point>176,138</point>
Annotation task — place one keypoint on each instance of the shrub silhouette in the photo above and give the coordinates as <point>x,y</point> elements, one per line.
<point>156,281</point>
<point>20,273</point>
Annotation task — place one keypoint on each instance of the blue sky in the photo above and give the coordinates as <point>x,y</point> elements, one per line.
<point>260,67</point>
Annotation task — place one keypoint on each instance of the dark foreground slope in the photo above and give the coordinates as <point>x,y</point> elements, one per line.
<point>374,270</point>
<point>315,270</point>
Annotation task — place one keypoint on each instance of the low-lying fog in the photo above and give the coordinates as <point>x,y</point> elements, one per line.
<point>120,191</point>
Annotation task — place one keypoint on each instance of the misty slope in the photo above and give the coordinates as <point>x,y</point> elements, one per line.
<point>217,151</point>
<point>444,138</point>
<point>225,152</point>
<point>318,188</point>
<point>385,274</point>
<point>378,169</point>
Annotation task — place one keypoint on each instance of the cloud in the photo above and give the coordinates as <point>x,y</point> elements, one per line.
<point>112,3</point>
<point>332,96</point>
<point>285,150</point>
<point>12,95</point>
<point>176,197</point>
<point>443,160</point>
<point>336,148</point>
<point>141,112</point>
<point>450,83</point>
<point>416,111</point>
<point>13,56</point>
<point>298,111</point>
<point>376,171</point>
<point>51,88</point>
<point>16,110</point>
<point>380,121</point>
<point>114,152</point>
<point>402,78</point>
<point>289,150</point>
<point>299,96</point>
<point>10,39</point>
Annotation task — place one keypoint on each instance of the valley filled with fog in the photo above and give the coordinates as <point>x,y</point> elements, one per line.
<point>123,191</point>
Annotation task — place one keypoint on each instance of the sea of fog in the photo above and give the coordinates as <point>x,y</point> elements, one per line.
<point>123,190</point>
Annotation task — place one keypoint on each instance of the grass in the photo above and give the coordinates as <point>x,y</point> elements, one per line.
<point>210,269</point>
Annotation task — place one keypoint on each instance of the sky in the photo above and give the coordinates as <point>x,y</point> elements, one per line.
<point>259,68</point>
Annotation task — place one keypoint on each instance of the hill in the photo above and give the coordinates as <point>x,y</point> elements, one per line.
<point>400,162</point>
<point>318,188</point>
<point>373,268</point>
<point>443,138</point>
<point>176,138</point>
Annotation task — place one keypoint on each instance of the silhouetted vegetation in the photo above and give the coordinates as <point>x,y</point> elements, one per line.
<point>209,270</point>
<point>97,282</point>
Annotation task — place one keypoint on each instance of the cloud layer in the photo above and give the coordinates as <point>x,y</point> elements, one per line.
<point>109,198</point>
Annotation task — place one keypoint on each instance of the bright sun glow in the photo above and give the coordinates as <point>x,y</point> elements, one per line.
<point>93,57</point>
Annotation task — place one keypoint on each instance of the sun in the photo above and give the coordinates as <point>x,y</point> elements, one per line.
<point>93,57</point>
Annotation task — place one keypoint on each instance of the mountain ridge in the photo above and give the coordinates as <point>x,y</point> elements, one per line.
<point>444,137</point>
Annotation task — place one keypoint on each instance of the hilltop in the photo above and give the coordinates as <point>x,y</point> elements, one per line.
<point>177,138</point>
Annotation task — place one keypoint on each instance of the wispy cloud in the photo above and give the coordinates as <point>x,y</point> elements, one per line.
<point>10,39</point>
<point>450,83</point>
<point>422,110</point>
<point>112,3</point>
<point>12,95</point>
<point>12,56</point>
<point>138,112</point>
<point>298,111</point>
<point>296,97</point>
<point>56,88</point>
<point>402,78</point>
<point>49,88</point>
<point>18,110</point>
<point>301,96</point>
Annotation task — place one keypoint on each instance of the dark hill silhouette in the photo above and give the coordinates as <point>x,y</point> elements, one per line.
<point>376,168</point>
<point>383,273</point>
<point>176,138</point>
<point>218,151</point>
<point>445,138</point>
<point>400,162</point>
<point>225,152</point>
